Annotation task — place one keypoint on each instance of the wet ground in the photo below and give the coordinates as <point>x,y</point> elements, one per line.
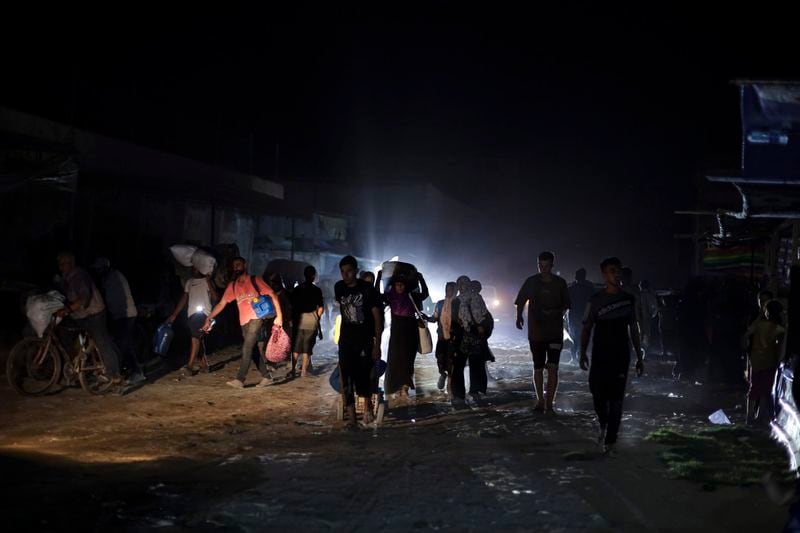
<point>190,453</point>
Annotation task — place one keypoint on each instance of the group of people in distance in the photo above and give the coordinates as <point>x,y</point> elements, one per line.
<point>464,325</point>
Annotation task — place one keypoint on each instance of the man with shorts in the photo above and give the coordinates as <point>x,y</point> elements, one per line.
<point>611,313</point>
<point>307,306</point>
<point>198,296</point>
<point>547,297</point>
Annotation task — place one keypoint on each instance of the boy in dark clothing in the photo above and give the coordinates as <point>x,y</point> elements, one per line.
<point>359,339</point>
<point>611,313</point>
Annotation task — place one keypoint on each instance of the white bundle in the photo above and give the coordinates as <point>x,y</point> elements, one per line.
<point>40,308</point>
<point>204,262</point>
<point>183,253</point>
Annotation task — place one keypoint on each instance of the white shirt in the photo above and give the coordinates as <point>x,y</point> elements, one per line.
<point>119,300</point>
<point>199,297</point>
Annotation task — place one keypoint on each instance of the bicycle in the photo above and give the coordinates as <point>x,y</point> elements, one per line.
<point>35,364</point>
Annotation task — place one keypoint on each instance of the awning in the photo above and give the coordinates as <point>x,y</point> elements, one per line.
<point>763,197</point>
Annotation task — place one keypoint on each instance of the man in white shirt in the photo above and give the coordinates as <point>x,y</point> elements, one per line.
<point>122,313</point>
<point>199,294</point>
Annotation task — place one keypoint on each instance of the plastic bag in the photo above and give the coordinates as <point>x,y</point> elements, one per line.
<point>279,345</point>
<point>183,253</point>
<point>40,308</point>
<point>719,417</point>
<point>204,262</point>
<point>337,329</point>
<point>425,342</point>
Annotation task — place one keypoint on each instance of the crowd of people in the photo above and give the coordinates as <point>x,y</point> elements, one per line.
<point>617,319</point>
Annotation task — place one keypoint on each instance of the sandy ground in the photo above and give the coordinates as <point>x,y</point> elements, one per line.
<point>190,452</point>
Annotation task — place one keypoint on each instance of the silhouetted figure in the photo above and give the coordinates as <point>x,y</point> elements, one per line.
<point>580,290</point>
<point>86,307</point>
<point>611,317</point>
<point>403,340</point>
<point>307,309</point>
<point>122,314</point>
<point>766,335</point>
<point>648,304</point>
<point>547,297</point>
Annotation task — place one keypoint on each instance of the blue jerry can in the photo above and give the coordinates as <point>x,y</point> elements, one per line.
<point>162,339</point>
<point>263,307</point>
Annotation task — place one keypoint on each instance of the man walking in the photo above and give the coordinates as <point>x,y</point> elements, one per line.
<point>307,307</point>
<point>121,316</point>
<point>547,297</point>
<point>612,315</point>
<point>86,307</point>
<point>580,291</point>
<point>199,293</point>
<point>244,289</point>
<point>360,338</point>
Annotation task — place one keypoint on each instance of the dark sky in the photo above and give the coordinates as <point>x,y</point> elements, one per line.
<point>584,126</point>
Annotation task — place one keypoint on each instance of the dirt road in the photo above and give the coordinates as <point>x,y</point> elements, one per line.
<point>189,452</point>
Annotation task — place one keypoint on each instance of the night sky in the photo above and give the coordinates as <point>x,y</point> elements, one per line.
<point>584,127</point>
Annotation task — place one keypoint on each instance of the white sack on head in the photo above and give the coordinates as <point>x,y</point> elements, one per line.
<point>183,253</point>
<point>204,262</point>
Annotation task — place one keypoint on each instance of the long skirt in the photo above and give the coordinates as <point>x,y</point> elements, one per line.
<point>402,354</point>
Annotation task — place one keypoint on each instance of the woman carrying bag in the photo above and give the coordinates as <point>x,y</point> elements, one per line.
<point>405,334</point>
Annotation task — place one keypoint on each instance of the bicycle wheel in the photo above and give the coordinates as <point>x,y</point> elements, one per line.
<point>92,372</point>
<point>33,366</point>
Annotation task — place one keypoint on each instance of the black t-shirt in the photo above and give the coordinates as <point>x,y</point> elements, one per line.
<point>306,298</point>
<point>547,301</point>
<point>356,304</point>
<point>611,315</point>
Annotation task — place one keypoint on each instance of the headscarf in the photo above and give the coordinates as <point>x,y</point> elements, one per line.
<point>472,309</point>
